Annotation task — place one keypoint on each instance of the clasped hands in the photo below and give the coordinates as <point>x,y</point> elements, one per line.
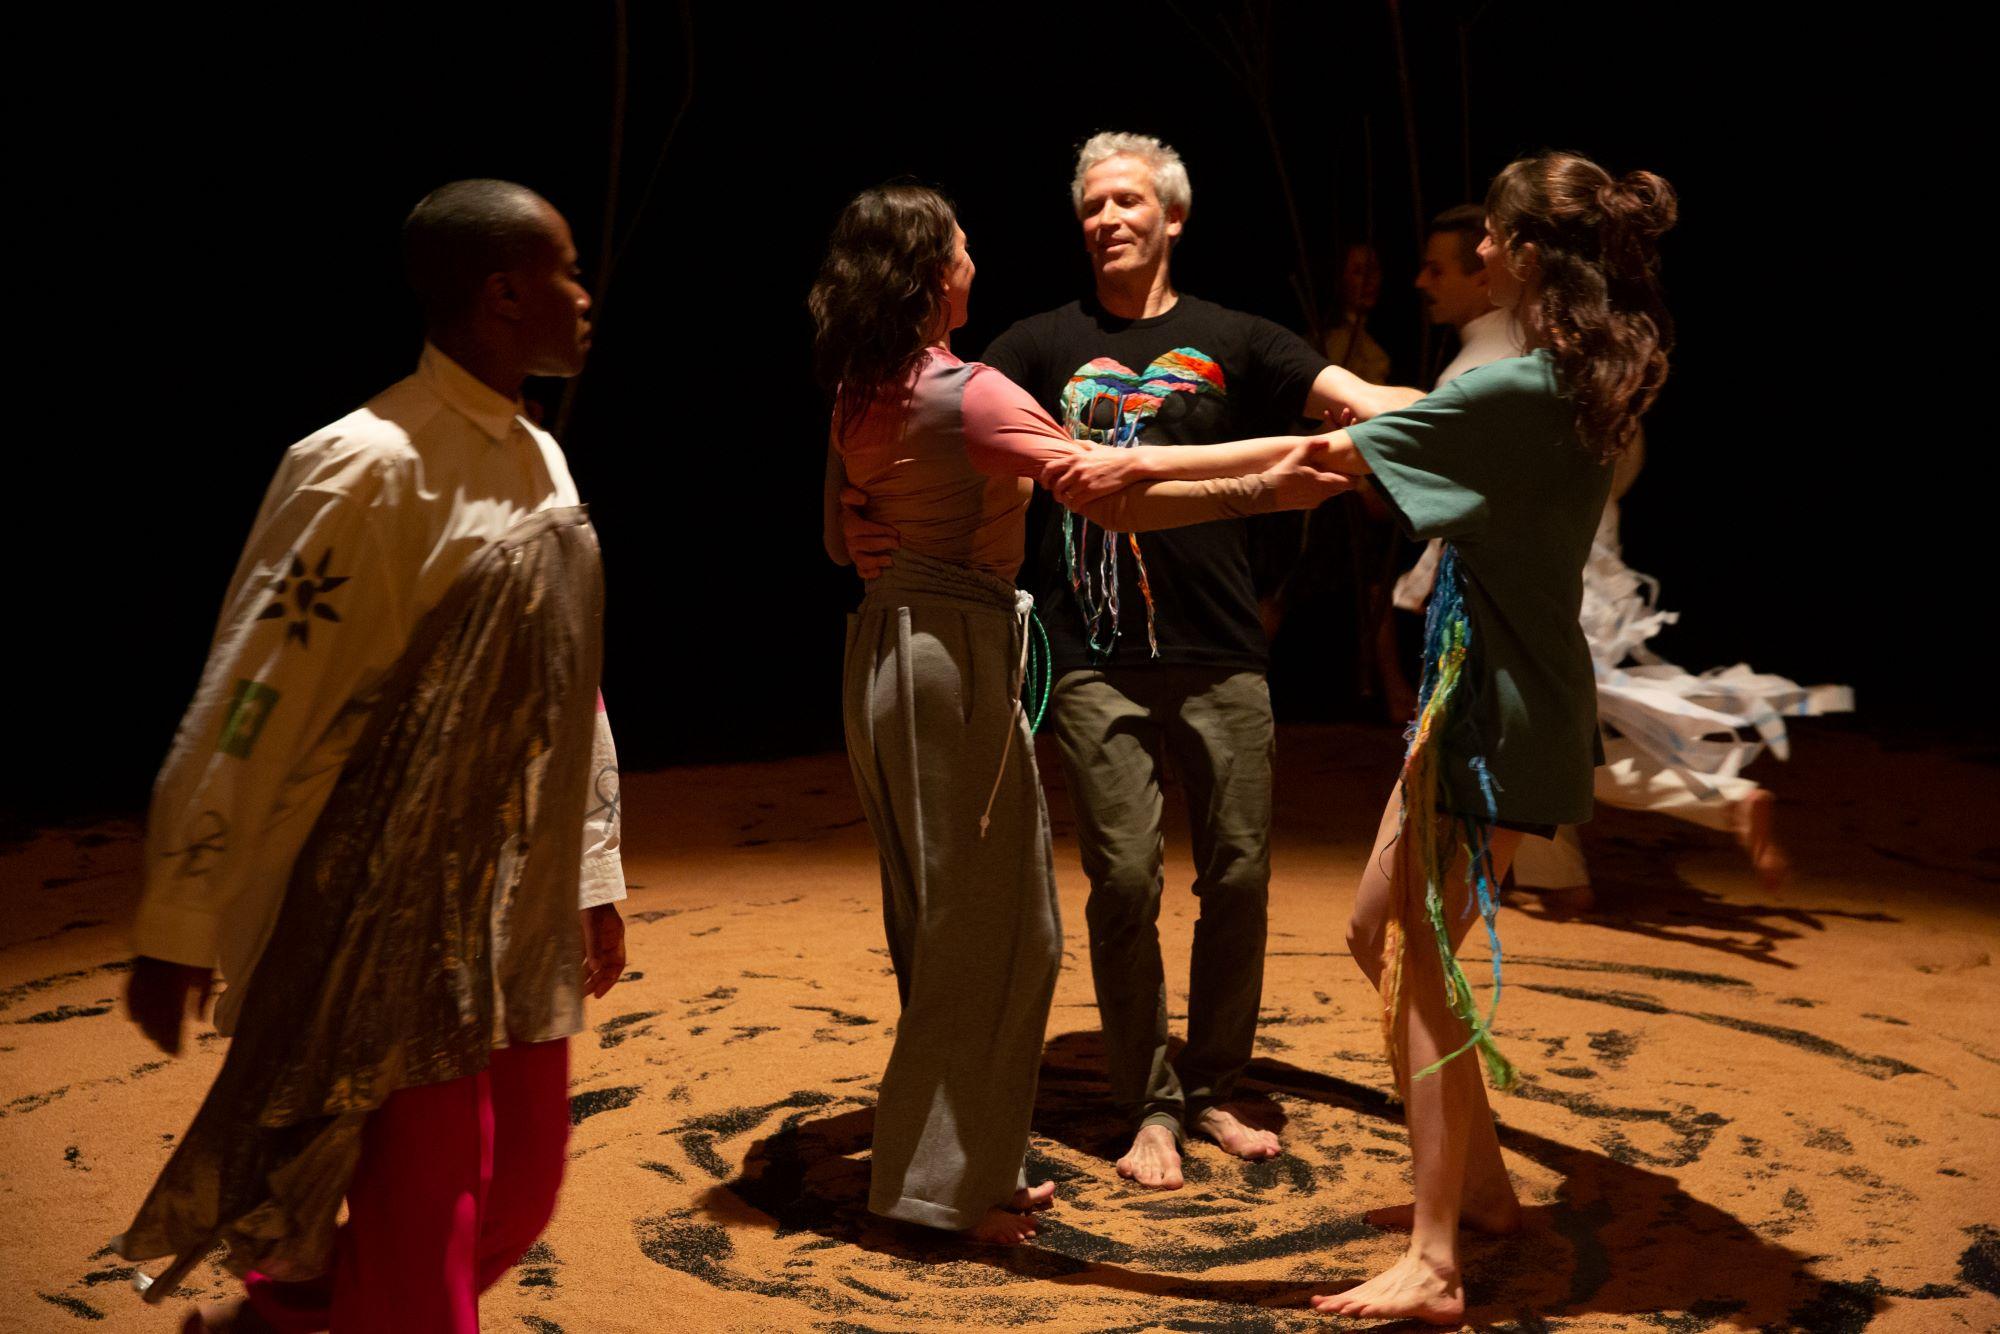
<point>1302,478</point>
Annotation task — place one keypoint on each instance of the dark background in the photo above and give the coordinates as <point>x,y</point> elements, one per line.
<point>206,270</point>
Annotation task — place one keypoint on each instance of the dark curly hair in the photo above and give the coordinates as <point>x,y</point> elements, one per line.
<point>1598,307</point>
<point>879,298</point>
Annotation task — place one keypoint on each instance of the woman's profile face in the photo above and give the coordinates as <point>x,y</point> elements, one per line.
<point>958,283</point>
<point>1503,271</point>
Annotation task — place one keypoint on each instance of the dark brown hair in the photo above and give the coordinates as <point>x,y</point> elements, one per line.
<point>1598,306</point>
<point>879,297</point>
<point>1468,223</point>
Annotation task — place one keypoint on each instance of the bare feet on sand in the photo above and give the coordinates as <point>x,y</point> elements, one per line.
<point>235,1316</point>
<point>1033,1199</point>
<point>1562,900</point>
<point>1235,1135</point>
<point>1002,1227</point>
<point>1755,821</point>
<point>1154,1160</point>
<point>1408,1289</point>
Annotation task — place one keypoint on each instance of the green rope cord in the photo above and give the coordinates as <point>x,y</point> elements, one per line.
<point>1041,664</point>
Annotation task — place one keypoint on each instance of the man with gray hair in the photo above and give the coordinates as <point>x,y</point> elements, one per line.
<point>1158,648</point>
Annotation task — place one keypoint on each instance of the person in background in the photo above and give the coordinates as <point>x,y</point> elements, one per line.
<point>1349,344</point>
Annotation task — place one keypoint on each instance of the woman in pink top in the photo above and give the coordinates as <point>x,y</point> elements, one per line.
<point>942,452</point>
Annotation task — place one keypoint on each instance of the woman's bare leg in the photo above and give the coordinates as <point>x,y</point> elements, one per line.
<point>1453,1146</point>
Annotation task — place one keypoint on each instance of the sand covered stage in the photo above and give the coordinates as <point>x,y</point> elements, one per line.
<point>1740,1110</point>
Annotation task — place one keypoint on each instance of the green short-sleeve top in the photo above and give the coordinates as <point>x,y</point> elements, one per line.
<point>1492,464</point>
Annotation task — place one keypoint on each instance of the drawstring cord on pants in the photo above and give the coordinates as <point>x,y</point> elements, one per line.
<point>1024,611</point>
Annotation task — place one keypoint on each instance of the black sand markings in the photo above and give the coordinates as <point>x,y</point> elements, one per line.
<point>842,1017</point>
<point>115,1274</point>
<point>699,1146</point>
<point>583,1106</point>
<point>1837,1308</point>
<point>21,990</point>
<point>1692,1130</point>
<point>701,1249</point>
<point>29,1102</point>
<point>614,1031</point>
<point>1795,1212</point>
<point>1713,981</point>
<point>1614,1047</point>
<point>1979,1264</point>
<point>666,1170</point>
<point>538,1265</point>
<point>541,1324</point>
<point>746,1032</point>
<point>76,1306</point>
<point>880,1294</point>
<point>721,997</point>
<point>65,1013</point>
<point>1169,1207</point>
<point>1875,1067</point>
<point>661,914</point>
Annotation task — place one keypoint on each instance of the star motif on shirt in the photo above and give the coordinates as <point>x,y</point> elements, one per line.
<point>298,597</point>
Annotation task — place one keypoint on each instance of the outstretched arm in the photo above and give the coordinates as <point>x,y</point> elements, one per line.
<point>1087,474</point>
<point>1301,481</point>
<point>1339,396</point>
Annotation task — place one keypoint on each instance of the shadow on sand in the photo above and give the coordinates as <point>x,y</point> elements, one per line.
<point>1639,892</point>
<point>1616,1238</point>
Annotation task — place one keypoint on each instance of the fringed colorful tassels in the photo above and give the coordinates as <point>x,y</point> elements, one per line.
<point>1097,591</point>
<point>1432,838</point>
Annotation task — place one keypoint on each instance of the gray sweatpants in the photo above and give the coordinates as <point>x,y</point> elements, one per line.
<point>932,679</point>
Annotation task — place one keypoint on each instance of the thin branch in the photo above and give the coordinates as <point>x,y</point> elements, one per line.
<point>608,255</point>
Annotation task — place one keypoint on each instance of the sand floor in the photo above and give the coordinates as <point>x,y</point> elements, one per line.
<point>1740,1110</point>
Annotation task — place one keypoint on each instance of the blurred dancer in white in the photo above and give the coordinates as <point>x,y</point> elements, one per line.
<point>1674,742</point>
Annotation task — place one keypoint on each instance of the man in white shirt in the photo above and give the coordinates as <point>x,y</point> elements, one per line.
<point>394,790</point>
<point>1680,770</point>
<point>1452,283</point>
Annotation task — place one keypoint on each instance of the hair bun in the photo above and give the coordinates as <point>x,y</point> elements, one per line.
<point>1639,201</point>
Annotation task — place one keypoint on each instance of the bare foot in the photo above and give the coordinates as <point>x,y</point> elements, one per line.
<point>1002,1227</point>
<point>1498,1217</point>
<point>235,1316</point>
<point>1227,1129</point>
<point>1407,1289</point>
<point>1562,900</point>
<point>1755,819</point>
<point>1154,1161</point>
<point>1033,1199</point>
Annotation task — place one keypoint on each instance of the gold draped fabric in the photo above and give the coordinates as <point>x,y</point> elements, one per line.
<point>431,916</point>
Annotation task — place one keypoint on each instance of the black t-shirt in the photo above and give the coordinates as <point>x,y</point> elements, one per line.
<point>1198,375</point>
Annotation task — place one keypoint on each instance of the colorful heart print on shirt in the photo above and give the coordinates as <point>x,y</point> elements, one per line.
<point>1105,401</point>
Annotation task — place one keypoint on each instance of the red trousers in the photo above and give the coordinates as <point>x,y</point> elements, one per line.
<point>455,1181</point>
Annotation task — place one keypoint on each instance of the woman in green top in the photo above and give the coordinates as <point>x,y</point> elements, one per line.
<point>1508,464</point>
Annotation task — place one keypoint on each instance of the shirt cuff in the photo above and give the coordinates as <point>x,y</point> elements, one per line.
<point>176,934</point>
<point>603,879</point>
